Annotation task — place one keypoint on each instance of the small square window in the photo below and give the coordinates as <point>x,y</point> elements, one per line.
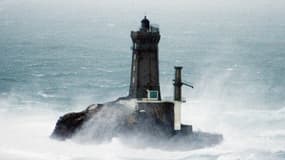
<point>152,94</point>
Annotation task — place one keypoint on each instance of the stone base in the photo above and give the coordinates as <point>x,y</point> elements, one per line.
<point>148,118</point>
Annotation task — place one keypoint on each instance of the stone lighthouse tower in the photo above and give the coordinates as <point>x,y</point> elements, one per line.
<point>144,71</point>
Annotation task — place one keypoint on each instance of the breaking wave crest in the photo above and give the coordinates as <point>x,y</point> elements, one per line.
<point>107,124</point>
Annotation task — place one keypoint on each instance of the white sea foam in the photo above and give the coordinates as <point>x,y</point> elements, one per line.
<point>45,95</point>
<point>25,135</point>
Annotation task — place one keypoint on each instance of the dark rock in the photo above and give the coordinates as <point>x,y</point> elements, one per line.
<point>68,124</point>
<point>113,118</point>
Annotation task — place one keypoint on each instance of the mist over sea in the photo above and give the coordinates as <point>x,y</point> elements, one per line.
<point>59,56</point>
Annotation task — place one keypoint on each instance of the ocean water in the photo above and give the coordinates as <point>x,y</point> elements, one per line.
<point>58,56</point>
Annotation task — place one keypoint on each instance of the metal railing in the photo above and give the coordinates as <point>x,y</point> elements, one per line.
<point>154,28</point>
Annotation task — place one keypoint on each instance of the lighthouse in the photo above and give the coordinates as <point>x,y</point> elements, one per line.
<point>150,113</point>
<point>144,81</point>
<point>145,70</point>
